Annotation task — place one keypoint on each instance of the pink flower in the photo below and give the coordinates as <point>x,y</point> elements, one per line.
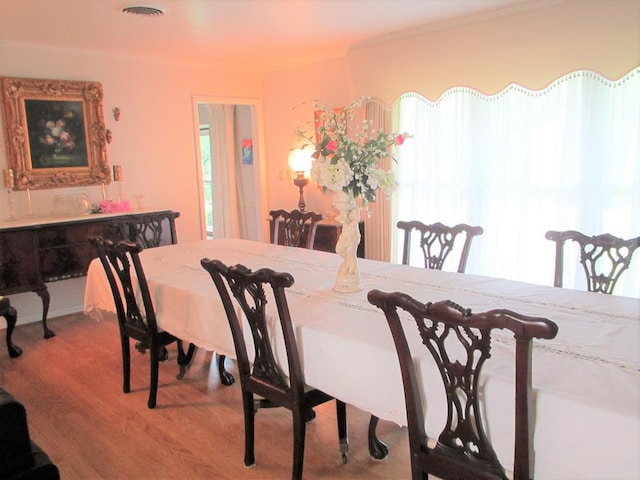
<point>399,139</point>
<point>332,145</point>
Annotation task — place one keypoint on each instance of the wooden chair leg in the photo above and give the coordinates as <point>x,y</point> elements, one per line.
<point>225,377</point>
<point>126,364</point>
<point>377,449</point>
<point>249,428</point>
<point>299,430</point>
<point>341,413</point>
<point>154,355</point>
<point>185,359</point>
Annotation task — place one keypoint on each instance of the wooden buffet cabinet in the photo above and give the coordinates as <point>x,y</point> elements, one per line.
<point>37,251</point>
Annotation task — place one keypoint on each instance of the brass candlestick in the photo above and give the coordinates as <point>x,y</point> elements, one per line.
<point>9,183</point>
<point>117,177</point>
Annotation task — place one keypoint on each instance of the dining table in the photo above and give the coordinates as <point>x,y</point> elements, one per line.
<point>586,381</point>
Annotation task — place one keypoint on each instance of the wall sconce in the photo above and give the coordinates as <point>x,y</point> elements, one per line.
<point>300,162</point>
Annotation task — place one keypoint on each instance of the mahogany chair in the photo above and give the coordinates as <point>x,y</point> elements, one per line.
<point>462,450</point>
<point>134,320</point>
<point>603,257</point>
<point>265,377</point>
<point>294,228</point>
<point>437,242</point>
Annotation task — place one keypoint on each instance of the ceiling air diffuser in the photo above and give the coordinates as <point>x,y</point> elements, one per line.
<point>144,11</point>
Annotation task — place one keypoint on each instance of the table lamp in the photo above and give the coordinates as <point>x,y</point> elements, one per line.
<point>300,162</point>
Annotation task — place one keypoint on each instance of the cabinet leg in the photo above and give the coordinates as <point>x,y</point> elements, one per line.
<point>11,316</point>
<point>43,293</point>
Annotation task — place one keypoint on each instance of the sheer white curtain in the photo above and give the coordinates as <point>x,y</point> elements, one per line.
<point>522,162</point>
<point>228,221</point>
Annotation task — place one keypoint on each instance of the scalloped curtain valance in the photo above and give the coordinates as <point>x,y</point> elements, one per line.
<point>522,162</point>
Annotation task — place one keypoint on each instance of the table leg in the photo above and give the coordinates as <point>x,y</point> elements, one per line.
<point>43,293</point>
<point>11,316</point>
<point>377,449</point>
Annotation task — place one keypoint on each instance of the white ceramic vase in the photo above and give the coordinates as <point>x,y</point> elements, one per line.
<point>348,277</point>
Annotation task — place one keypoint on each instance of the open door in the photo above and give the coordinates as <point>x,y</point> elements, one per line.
<point>230,166</point>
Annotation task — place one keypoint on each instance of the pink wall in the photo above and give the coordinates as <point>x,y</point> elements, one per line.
<point>153,141</point>
<point>531,48</point>
<point>288,103</point>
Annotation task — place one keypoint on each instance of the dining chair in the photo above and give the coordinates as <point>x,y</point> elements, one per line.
<point>460,344</point>
<point>603,257</point>
<point>265,375</point>
<point>294,228</point>
<point>136,321</point>
<point>437,242</point>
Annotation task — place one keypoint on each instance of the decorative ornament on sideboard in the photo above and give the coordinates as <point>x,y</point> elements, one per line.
<point>349,160</point>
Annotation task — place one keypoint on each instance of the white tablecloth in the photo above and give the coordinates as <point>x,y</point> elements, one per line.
<point>586,381</point>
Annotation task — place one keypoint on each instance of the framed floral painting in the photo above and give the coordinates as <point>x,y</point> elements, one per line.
<point>55,133</point>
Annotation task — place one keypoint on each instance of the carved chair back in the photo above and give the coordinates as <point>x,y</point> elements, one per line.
<point>462,449</point>
<point>121,262</point>
<point>150,230</point>
<point>263,375</point>
<point>248,288</point>
<point>437,242</point>
<point>603,257</point>
<point>298,229</point>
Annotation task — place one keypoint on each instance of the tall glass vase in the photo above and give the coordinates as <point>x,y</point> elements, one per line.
<point>348,277</point>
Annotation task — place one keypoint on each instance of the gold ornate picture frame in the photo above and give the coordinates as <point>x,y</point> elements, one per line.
<point>55,133</point>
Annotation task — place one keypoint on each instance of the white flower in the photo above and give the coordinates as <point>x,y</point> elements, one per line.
<point>386,181</point>
<point>332,176</point>
<point>349,159</point>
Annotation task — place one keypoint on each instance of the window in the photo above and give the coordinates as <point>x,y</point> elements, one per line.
<point>205,154</point>
<point>522,162</point>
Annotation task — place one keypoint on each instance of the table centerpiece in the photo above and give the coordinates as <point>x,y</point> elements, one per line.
<point>348,160</point>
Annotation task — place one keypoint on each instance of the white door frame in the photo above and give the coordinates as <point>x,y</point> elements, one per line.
<point>260,180</point>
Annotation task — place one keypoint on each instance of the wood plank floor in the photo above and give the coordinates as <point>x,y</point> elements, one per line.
<point>71,386</point>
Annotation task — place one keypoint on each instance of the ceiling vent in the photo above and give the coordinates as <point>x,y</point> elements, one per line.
<point>144,11</point>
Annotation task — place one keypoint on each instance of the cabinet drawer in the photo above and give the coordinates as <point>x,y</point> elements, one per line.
<point>18,262</point>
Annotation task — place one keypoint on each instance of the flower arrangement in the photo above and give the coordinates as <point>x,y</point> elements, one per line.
<point>349,160</point>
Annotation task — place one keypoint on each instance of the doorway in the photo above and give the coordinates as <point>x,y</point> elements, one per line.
<point>230,168</point>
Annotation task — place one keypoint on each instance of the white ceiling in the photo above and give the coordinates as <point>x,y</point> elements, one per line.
<point>249,35</point>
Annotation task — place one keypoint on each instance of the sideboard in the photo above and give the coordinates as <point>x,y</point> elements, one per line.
<point>34,252</point>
